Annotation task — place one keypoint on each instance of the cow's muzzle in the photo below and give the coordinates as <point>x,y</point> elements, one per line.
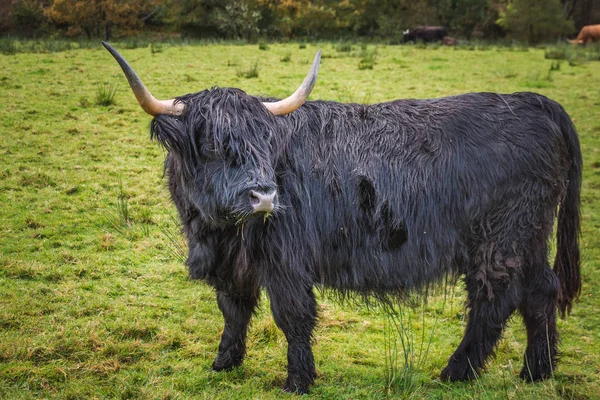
<point>262,201</point>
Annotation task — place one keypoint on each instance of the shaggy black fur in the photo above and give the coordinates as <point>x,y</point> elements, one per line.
<point>426,34</point>
<point>380,200</point>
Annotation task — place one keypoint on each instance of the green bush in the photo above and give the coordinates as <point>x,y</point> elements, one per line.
<point>535,21</point>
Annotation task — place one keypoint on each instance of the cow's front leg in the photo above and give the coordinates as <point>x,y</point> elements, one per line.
<point>237,311</point>
<point>295,313</point>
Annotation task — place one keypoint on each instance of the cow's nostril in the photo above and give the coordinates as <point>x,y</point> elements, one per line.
<point>262,202</point>
<point>254,199</point>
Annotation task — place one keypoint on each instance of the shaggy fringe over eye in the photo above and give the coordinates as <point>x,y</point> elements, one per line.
<point>176,137</point>
<point>233,125</point>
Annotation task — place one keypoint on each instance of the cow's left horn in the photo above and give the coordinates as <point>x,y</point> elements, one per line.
<point>148,102</point>
<point>293,102</point>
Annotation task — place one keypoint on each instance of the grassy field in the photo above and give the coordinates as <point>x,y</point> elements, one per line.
<point>94,297</point>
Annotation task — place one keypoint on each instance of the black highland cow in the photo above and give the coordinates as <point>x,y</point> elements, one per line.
<point>379,200</point>
<point>425,33</point>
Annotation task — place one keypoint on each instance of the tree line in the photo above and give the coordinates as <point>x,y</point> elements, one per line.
<point>533,21</point>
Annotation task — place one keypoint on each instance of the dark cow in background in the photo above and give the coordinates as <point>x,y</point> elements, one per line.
<point>426,34</point>
<point>587,34</point>
<point>377,200</point>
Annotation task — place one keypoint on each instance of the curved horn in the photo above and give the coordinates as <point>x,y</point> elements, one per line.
<point>148,102</point>
<point>293,102</point>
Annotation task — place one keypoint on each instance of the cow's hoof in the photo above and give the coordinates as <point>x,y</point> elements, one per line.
<point>534,374</point>
<point>457,371</point>
<point>224,362</point>
<point>295,389</point>
<point>295,386</point>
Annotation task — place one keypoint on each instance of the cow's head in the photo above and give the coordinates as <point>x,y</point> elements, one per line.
<point>222,144</point>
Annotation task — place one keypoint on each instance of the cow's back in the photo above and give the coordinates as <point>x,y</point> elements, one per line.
<point>389,195</point>
<point>589,34</point>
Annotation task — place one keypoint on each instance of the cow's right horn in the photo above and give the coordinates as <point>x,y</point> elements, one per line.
<point>148,102</point>
<point>294,102</point>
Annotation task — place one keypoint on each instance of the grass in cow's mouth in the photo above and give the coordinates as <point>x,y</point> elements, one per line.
<point>267,215</point>
<point>91,306</point>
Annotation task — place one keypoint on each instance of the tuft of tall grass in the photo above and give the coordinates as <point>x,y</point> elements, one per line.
<point>263,45</point>
<point>366,63</point>
<point>400,339</point>
<point>105,94</point>
<point>557,53</point>
<point>84,102</point>
<point>177,245</point>
<point>250,72</point>
<point>506,71</point>
<point>286,58</point>
<point>343,47</point>
<point>539,80</point>
<point>156,48</point>
<point>367,60</point>
<point>123,206</point>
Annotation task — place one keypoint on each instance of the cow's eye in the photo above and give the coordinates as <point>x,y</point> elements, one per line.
<point>235,159</point>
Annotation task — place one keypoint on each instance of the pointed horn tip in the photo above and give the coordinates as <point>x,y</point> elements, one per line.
<point>112,50</point>
<point>298,98</point>
<point>318,57</point>
<point>314,72</point>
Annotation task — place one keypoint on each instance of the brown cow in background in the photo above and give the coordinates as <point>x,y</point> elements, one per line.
<point>588,34</point>
<point>449,41</point>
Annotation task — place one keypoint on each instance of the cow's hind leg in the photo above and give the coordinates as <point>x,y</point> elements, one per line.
<point>295,313</point>
<point>237,311</point>
<point>538,308</point>
<point>491,301</point>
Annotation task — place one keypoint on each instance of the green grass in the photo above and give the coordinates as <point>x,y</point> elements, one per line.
<point>94,299</point>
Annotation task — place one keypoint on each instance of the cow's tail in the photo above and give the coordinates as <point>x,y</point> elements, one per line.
<point>567,262</point>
